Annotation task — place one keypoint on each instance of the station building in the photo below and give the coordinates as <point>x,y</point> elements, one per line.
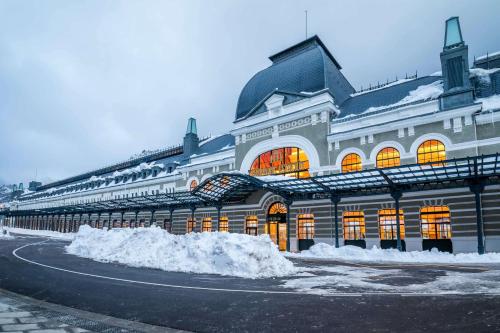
<point>301,119</point>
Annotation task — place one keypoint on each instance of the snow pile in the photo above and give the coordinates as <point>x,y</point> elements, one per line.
<point>43,233</point>
<point>354,253</point>
<point>422,93</point>
<point>213,253</point>
<point>5,234</point>
<point>482,74</point>
<point>490,103</point>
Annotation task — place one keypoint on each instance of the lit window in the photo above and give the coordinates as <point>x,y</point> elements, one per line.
<point>431,151</point>
<point>251,225</point>
<point>288,161</point>
<point>277,208</point>
<point>193,184</point>
<point>305,226</point>
<point>387,224</point>
<point>351,162</point>
<point>354,225</point>
<point>206,224</point>
<point>224,224</point>
<point>224,181</point>
<point>191,224</point>
<point>388,157</point>
<point>435,222</point>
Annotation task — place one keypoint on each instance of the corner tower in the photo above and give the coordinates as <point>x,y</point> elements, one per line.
<point>191,140</point>
<point>455,68</point>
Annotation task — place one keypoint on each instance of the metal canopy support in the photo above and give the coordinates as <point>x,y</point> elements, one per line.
<point>288,203</point>
<point>217,226</point>
<point>110,225</point>
<point>193,208</point>
<point>171,224</point>
<point>121,219</point>
<point>152,217</point>
<point>335,200</point>
<point>396,195</point>
<point>477,189</point>
<point>136,225</point>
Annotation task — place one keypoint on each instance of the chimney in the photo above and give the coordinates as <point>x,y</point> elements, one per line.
<point>191,139</point>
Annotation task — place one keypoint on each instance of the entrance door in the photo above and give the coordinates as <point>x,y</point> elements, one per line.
<point>276,225</point>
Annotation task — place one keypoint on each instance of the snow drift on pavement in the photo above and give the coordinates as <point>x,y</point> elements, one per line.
<point>213,253</point>
<point>354,253</point>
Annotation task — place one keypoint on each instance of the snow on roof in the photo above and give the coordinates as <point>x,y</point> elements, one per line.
<point>489,55</point>
<point>422,93</point>
<point>490,103</point>
<point>382,87</point>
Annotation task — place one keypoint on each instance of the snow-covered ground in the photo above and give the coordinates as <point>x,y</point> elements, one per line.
<point>357,254</point>
<point>44,233</point>
<point>4,234</point>
<point>209,252</point>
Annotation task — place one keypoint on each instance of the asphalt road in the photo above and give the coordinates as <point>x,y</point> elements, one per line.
<point>209,303</point>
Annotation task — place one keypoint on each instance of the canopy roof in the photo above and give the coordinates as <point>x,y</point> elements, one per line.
<point>230,188</point>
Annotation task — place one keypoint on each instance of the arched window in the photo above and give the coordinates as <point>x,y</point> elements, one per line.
<point>277,208</point>
<point>305,226</point>
<point>431,151</point>
<point>351,162</point>
<point>435,222</point>
<point>251,225</point>
<point>287,161</point>
<point>224,224</point>
<point>193,184</point>
<point>354,225</point>
<point>191,225</point>
<point>388,157</point>
<point>387,224</point>
<point>206,224</point>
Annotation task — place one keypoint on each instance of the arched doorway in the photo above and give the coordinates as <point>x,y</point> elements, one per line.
<point>276,224</point>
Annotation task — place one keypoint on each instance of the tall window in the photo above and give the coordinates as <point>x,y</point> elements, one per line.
<point>305,226</point>
<point>224,224</point>
<point>354,225</point>
<point>251,225</point>
<point>288,161</point>
<point>191,224</point>
<point>435,222</point>
<point>431,151</point>
<point>351,162</point>
<point>193,184</point>
<point>206,224</point>
<point>388,157</point>
<point>387,224</point>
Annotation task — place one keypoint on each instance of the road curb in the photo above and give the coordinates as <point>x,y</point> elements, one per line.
<point>94,322</point>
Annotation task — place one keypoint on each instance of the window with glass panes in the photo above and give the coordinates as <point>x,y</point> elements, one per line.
<point>435,222</point>
<point>354,225</point>
<point>288,161</point>
<point>388,157</point>
<point>305,225</point>
<point>387,224</point>
<point>193,185</point>
<point>224,224</point>
<point>251,225</point>
<point>431,151</point>
<point>351,162</point>
<point>206,224</point>
<point>191,224</point>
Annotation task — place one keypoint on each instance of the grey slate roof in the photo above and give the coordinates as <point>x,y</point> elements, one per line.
<point>305,67</point>
<point>385,96</point>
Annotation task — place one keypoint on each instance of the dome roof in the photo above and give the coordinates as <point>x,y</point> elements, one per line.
<point>305,67</point>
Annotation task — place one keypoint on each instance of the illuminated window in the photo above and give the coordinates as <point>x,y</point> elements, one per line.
<point>191,225</point>
<point>224,182</point>
<point>277,208</point>
<point>387,224</point>
<point>305,226</point>
<point>431,151</point>
<point>251,225</point>
<point>354,225</point>
<point>351,162</point>
<point>435,222</point>
<point>388,157</point>
<point>224,224</point>
<point>193,184</point>
<point>206,224</point>
<point>288,161</point>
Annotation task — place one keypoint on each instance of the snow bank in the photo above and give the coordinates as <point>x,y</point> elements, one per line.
<point>43,233</point>
<point>354,253</point>
<point>5,235</point>
<point>213,253</point>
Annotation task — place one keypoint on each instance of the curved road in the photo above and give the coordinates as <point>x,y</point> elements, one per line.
<point>39,268</point>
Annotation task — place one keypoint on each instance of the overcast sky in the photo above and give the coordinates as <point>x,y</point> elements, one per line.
<point>84,84</point>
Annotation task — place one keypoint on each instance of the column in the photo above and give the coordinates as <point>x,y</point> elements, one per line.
<point>396,195</point>
<point>288,203</point>
<point>335,201</point>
